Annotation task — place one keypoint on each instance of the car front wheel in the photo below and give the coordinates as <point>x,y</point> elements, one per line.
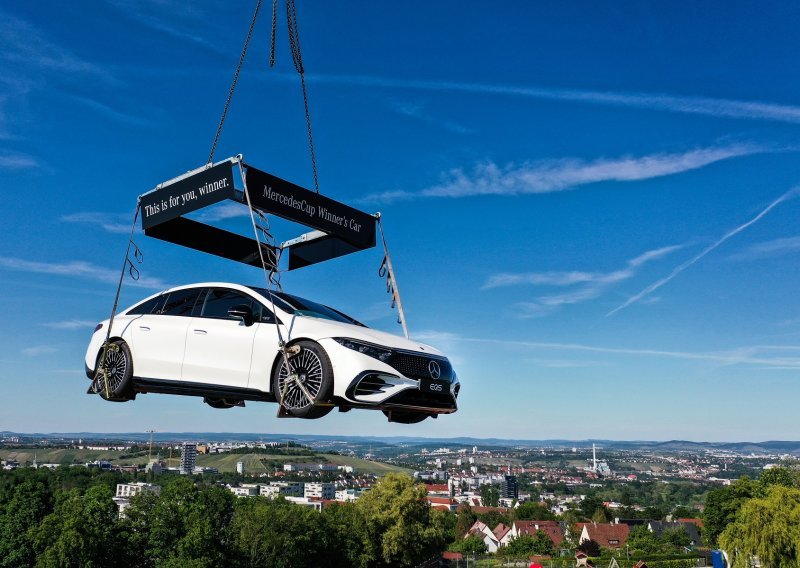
<point>112,376</point>
<point>305,385</point>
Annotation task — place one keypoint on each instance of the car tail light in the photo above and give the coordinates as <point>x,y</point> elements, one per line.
<point>98,327</point>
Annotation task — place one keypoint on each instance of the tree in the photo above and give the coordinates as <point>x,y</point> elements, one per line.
<point>465,518</point>
<point>81,531</point>
<point>775,476</point>
<point>642,540</point>
<point>675,537</point>
<point>347,533</point>
<point>600,515</point>
<point>590,504</point>
<point>473,544</point>
<point>722,505</point>
<point>682,512</point>
<point>29,503</point>
<point>494,518</point>
<point>589,547</point>
<point>398,521</point>
<point>490,495</point>
<point>533,512</point>
<point>526,545</point>
<point>766,527</point>
<point>278,533</point>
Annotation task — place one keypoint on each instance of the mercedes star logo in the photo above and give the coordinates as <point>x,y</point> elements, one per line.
<point>434,370</point>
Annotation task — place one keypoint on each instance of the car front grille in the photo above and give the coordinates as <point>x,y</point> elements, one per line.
<point>418,366</point>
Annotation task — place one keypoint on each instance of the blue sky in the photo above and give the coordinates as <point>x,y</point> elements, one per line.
<point>591,206</point>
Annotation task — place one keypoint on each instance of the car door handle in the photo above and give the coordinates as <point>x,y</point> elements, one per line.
<point>144,328</point>
<point>201,332</point>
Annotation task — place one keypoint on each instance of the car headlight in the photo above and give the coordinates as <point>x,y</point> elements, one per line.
<point>367,349</point>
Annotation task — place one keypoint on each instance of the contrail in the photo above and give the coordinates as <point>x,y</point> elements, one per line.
<point>659,283</point>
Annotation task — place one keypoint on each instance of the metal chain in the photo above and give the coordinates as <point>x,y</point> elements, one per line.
<point>233,84</point>
<point>297,58</point>
<point>274,26</point>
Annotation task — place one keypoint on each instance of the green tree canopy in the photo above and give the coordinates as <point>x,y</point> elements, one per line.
<point>722,505</point>
<point>768,527</point>
<point>533,512</point>
<point>398,519</point>
<point>526,545</point>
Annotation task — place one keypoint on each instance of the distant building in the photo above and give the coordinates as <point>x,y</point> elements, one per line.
<point>240,467</point>
<point>285,488</point>
<point>188,458</point>
<point>510,490</point>
<point>245,490</point>
<point>127,490</point>
<point>320,490</point>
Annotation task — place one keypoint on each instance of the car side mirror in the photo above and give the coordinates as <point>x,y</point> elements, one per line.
<point>242,312</point>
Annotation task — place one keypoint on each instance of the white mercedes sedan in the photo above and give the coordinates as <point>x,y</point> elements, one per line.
<point>222,341</point>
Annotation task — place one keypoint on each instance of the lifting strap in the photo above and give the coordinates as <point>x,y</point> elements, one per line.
<point>387,271</point>
<point>129,267</point>
<point>272,278</point>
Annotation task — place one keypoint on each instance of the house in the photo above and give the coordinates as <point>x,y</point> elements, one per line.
<point>481,530</point>
<point>445,503</point>
<point>552,529</point>
<point>581,559</point>
<point>606,535</point>
<point>500,531</point>
<point>640,564</point>
<point>658,527</point>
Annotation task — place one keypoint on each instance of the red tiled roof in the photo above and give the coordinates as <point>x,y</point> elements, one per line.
<point>437,487</point>
<point>500,531</point>
<point>551,528</point>
<point>606,534</point>
<point>696,522</point>
<point>452,556</point>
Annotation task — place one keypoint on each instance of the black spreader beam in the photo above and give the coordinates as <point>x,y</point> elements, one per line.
<point>205,238</point>
<point>344,229</point>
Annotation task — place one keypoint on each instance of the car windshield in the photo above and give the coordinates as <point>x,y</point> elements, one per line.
<point>302,307</point>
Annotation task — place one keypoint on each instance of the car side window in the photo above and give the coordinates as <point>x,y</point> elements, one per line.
<point>219,300</point>
<point>151,306</point>
<point>181,302</point>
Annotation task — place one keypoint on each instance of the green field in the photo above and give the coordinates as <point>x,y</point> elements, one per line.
<point>223,462</point>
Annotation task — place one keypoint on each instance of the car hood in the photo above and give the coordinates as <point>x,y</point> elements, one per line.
<point>318,328</point>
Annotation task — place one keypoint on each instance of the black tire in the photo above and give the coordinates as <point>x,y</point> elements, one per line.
<point>405,416</point>
<point>119,363</point>
<point>314,370</point>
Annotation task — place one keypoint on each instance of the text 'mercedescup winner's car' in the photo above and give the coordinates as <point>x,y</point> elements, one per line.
<point>220,341</point>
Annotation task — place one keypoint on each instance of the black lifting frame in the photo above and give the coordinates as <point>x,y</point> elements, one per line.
<point>337,229</point>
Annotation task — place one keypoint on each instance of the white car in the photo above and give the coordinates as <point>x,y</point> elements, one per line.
<point>220,341</point>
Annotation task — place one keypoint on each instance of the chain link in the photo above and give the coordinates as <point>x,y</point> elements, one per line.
<point>233,84</point>
<point>297,58</point>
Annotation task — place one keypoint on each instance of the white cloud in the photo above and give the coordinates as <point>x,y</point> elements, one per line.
<point>38,350</point>
<point>111,222</point>
<point>78,269</point>
<point>417,111</point>
<point>749,355</point>
<point>681,267</point>
<point>776,247</point>
<point>708,106</point>
<point>23,44</point>
<point>547,176</point>
<point>17,162</point>
<point>70,324</point>
<point>591,284</point>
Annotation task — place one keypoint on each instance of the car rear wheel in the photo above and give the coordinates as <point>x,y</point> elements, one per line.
<point>405,417</point>
<point>305,384</point>
<point>112,377</point>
